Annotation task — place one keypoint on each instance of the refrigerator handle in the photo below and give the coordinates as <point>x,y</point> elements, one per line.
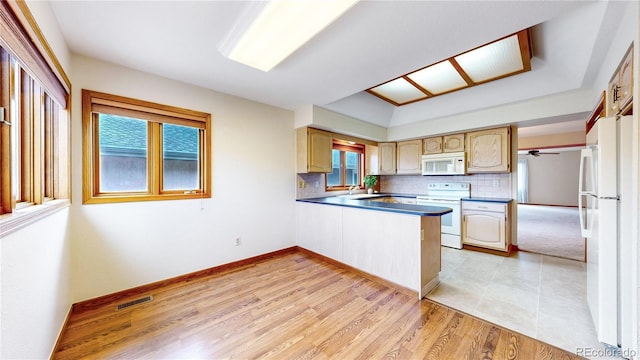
<point>585,229</point>
<point>585,155</point>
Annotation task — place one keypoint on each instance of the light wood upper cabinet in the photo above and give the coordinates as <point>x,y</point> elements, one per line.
<point>371,160</point>
<point>433,145</point>
<point>453,143</point>
<point>409,156</point>
<point>626,81</point>
<point>446,143</point>
<point>313,150</point>
<point>613,94</point>
<point>620,91</point>
<point>387,158</point>
<point>489,151</point>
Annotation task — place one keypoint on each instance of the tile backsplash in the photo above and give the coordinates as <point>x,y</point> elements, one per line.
<point>482,185</point>
<point>313,186</point>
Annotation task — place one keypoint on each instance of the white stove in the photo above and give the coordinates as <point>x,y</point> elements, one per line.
<point>447,195</point>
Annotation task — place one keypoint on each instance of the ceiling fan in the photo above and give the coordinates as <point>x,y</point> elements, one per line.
<point>537,153</point>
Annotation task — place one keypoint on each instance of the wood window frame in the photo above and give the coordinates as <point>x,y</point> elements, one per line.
<point>95,103</point>
<point>35,125</point>
<point>345,145</point>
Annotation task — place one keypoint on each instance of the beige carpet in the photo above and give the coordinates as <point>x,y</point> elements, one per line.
<point>550,230</point>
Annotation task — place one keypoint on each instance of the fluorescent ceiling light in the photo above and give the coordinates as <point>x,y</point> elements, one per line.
<point>489,61</point>
<point>439,78</point>
<point>508,56</point>
<point>400,91</point>
<point>281,28</point>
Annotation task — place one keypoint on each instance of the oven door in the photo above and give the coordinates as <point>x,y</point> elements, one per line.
<point>450,233</point>
<point>450,221</point>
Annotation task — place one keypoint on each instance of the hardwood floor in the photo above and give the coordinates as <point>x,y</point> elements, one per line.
<point>291,306</point>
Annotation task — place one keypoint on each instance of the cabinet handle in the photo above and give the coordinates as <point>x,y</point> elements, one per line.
<point>483,207</point>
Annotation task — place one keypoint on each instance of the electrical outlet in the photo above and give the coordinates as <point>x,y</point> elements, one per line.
<point>496,183</point>
<point>238,241</point>
<point>301,184</point>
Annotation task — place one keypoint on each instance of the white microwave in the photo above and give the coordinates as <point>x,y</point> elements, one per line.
<point>444,164</point>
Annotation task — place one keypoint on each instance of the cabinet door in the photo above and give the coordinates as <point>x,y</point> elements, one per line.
<point>433,145</point>
<point>319,151</point>
<point>371,160</point>
<point>409,157</point>
<point>485,229</point>
<point>625,90</point>
<point>387,158</point>
<point>489,151</point>
<point>453,143</point>
<point>613,95</point>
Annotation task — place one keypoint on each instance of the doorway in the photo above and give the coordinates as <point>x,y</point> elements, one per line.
<point>548,215</point>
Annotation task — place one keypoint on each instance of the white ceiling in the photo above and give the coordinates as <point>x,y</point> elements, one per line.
<point>373,42</point>
<point>554,128</point>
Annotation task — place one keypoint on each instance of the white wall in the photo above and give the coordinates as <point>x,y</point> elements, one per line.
<point>35,287</point>
<point>553,179</point>
<point>119,246</point>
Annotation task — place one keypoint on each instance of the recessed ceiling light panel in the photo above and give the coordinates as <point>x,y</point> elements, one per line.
<point>280,28</point>
<point>493,60</point>
<point>501,58</point>
<point>399,91</point>
<point>438,78</point>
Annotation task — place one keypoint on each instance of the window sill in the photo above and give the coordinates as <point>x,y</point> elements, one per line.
<point>28,215</point>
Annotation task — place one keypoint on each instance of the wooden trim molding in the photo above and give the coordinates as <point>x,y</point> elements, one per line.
<point>135,292</point>
<point>488,251</point>
<point>18,40</point>
<point>11,222</point>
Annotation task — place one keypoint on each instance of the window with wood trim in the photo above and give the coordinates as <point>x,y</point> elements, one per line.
<point>347,158</point>
<point>34,122</point>
<point>135,150</point>
<point>34,138</point>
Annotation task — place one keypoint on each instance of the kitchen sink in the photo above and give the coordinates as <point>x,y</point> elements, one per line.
<point>357,196</point>
<point>396,200</point>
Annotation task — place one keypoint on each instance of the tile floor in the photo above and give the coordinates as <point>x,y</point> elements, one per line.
<point>540,296</point>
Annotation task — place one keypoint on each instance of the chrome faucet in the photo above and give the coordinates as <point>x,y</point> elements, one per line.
<point>353,187</point>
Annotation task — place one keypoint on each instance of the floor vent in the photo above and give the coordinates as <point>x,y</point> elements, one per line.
<point>134,302</point>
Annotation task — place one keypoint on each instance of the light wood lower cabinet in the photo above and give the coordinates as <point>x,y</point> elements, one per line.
<point>401,248</point>
<point>486,225</point>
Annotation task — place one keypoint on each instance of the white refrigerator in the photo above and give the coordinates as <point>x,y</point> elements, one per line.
<point>604,202</point>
